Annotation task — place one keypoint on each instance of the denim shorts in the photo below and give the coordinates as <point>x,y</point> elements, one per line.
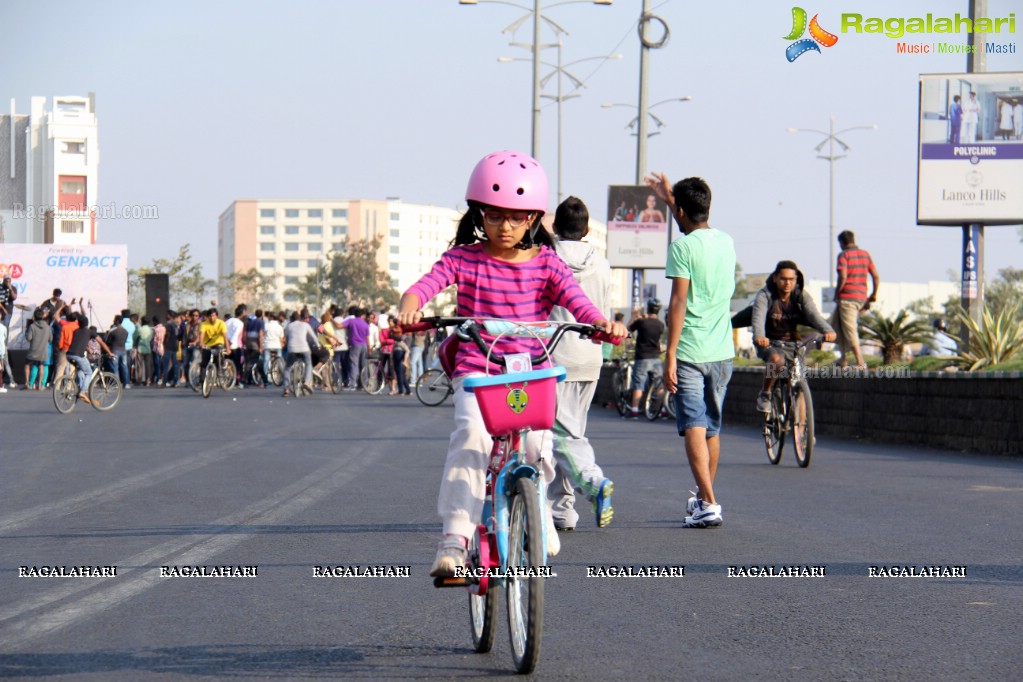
<point>700,395</point>
<point>640,368</point>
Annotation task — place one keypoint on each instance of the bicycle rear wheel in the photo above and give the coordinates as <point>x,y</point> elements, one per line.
<point>653,399</point>
<point>65,394</point>
<point>669,404</point>
<point>802,424</point>
<point>482,609</point>
<point>774,423</point>
<point>105,391</point>
<point>525,594</point>
<point>296,378</point>
<point>277,369</point>
<point>433,387</point>
<point>334,373</point>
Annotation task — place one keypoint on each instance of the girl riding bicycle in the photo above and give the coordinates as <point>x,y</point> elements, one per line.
<point>504,265</point>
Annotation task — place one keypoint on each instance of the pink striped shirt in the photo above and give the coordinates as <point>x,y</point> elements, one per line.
<point>488,287</point>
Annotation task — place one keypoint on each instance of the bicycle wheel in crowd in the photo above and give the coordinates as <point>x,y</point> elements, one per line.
<point>653,399</point>
<point>105,391</point>
<point>209,380</point>
<point>334,373</point>
<point>482,608</point>
<point>670,404</point>
<point>138,369</point>
<point>277,369</point>
<point>433,387</point>
<point>620,386</point>
<point>802,424</point>
<point>774,423</point>
<point>255,374</point>
<point>525,594</point>
<point>228,375</point>
<point>296,377</point>
<point>65,394</point>
<point>194,375</point>
<point>372,382</point>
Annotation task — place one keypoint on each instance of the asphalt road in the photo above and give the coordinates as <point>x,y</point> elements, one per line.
<point>250,479</point>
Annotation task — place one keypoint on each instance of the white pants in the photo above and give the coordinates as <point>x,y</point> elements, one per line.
<point>463,485</point>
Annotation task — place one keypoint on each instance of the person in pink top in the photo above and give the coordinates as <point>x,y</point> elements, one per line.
<point>504,265</point>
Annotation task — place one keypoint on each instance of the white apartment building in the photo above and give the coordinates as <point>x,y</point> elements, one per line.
<point>49,172</point>
<point>290,238</point>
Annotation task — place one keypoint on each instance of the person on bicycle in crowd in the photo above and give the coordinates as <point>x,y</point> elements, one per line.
<point>648,330</point>
<point>299,340</point>
<point>236,338</point>
<point>273,341</point>
<point>255,330</point>
<point>575,462</point>
<point>778,310</point>
<point>504,265</point>
<point>212,333</point>
<point>76,354</point>
<point>190,339</point>
<point>941,344</point>
<point>327,341</point>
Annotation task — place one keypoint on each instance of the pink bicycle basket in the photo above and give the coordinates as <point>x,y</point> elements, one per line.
<point>512,402</point>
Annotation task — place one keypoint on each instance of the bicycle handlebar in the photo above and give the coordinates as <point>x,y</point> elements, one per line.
<point>469,329</point>
<point>812,340</point>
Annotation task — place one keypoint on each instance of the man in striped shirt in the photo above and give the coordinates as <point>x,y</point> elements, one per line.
<point>851,295</point>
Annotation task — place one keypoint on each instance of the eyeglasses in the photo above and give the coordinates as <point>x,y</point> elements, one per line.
<point>495,218</point>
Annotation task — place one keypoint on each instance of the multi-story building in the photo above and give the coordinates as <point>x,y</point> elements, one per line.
<point>49,173</point>
<point>291,238</point>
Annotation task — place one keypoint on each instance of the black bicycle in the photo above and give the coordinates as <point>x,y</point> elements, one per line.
<point>434,387</point>
<point>791,407</point>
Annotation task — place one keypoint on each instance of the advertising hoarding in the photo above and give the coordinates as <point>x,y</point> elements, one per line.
<point>96,273</point>
<point>637,228</point>
<point>970,157</point>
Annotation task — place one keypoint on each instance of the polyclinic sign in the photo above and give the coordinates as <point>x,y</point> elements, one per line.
<point>96,273</point>
<point>970,163</point>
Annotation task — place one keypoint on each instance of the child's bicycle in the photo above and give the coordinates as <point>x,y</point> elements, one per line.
<point>509,547</point>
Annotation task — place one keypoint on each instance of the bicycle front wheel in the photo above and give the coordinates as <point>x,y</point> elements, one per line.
<point>433,387</point>
<point>209,381</point>
<point>334,374</point>
<point>228,375</point>
<point>802,424</point>
<point>372,379</point>
<point>653,399</point>
<point>296,377</point>
<point>65,394</point>
<point>194,374</point>
<point>774,424</point>
<point>623,392</point>
<point>669,404</point>
<point>525,594</point>
<point>482,609</point>
<point>105,391</point>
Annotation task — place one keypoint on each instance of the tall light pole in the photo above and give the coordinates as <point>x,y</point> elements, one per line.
<point>634,123</point>
<point>830,138</point>
<point>560,70</point>
<point>537,15</point>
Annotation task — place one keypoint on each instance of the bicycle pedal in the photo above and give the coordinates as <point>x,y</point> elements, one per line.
<point>450,582</point>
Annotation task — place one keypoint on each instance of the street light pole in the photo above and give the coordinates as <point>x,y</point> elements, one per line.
<point>535,48</point>
<point>830,138</point>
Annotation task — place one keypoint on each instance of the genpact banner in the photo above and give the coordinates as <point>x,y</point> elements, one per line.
<point>96,275</point>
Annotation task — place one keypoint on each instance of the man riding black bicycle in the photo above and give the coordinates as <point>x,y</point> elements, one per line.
<point>778,310</point>
<point>212,335</point>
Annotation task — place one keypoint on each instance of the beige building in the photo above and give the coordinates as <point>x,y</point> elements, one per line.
<point>290,238</point>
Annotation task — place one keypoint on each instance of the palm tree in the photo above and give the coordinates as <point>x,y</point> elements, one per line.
<point>893,333</point>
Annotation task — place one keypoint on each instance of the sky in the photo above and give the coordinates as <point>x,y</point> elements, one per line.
<point>203,103</point>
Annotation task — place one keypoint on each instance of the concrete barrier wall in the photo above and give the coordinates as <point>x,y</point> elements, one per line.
<point>978,412</point>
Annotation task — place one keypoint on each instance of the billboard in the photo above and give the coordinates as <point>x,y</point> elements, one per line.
<point>970,160</point>
<point>97,274</point>
<point>637,228</point>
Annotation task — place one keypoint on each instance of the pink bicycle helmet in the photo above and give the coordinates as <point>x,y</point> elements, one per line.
<point>511,180</point>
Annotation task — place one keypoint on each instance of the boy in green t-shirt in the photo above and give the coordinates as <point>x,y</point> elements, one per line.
<point>698,365</point>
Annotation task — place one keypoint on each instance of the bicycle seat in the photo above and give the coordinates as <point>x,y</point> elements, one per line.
<point>446,352</point>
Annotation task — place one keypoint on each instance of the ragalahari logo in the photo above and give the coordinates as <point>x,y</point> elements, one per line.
<point>818,35</point>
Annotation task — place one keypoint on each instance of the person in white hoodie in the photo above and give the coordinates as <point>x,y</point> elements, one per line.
<point>576,466</point>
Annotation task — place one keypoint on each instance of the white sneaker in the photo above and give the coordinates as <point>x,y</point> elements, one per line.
<point>3,390</point>
<point>691,503</point>
<point>451,555</point>
<point>553,541</point>
<point>704,516</point>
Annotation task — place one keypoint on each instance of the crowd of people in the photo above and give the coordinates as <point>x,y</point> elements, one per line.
<point>149,351</point>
